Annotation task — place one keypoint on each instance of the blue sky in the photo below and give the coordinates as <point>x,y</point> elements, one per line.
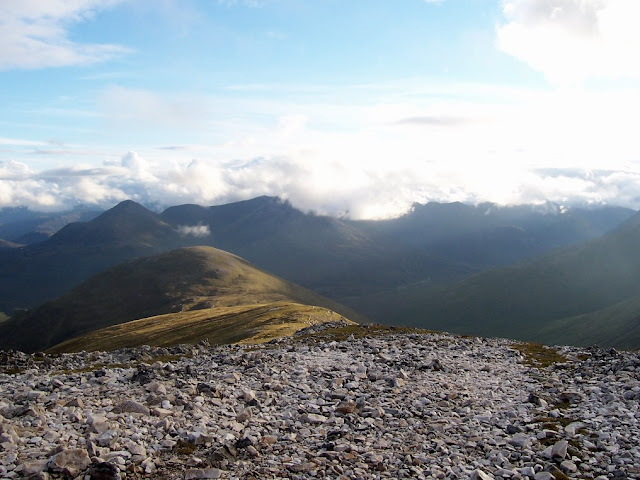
<point>342,106</point>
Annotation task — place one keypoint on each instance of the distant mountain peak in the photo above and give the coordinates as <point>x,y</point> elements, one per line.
<point>126,207</point>
<point>130,213</point>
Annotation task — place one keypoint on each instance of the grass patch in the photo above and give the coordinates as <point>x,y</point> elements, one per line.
<point>14,371</point>
<point>538,355</point>
<point>554,421</point>
<point>554,424</point>
<point>184,447</point>
<point>3,317</point>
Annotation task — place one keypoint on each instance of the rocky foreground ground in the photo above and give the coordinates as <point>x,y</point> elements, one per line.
<point>366,404</point>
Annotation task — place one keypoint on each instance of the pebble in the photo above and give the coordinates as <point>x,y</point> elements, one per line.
<point>373,407</point>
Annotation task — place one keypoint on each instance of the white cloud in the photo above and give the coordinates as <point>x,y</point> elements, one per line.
<point>12,170</point>
<point>137,167</point>
<point>572,40</point>
<point>34,34</point>
<point>197,231</point>
<point>333,188</point>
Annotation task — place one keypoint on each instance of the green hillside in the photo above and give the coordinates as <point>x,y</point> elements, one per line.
<point>187,279</point>
<point>614,326</point>
<point>523,300</point>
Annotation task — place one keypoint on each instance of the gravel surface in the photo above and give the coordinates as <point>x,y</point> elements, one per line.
<point>398,405</point>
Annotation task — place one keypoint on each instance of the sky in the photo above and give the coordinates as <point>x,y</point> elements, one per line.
<point>355,108</point>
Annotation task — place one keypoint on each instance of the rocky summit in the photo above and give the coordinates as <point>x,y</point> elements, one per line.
<point>365,404</point>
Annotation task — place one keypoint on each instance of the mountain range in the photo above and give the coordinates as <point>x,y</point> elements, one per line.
<point>447,266</point>
<point>21,226</point>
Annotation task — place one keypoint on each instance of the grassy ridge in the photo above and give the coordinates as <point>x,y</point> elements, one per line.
<point>182,280</point>
<point>220,325</point>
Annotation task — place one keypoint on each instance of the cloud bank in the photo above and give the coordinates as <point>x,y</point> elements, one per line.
<point>365,195</point>
<point>573,40</point>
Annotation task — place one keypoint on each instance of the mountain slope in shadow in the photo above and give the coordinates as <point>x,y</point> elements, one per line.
<point>549,298</point>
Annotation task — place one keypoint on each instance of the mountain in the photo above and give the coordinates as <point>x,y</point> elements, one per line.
<point>184,280</point>
<point>550,298</point>
<point>352,261</point>
<point>333,257</point>
<point>356,263</point>
<point>487,235</point>
<point>24,226</point>
<point>40,272</point>
<point>615,326</point>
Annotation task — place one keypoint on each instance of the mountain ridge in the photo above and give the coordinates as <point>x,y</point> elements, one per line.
<point>187,279</point>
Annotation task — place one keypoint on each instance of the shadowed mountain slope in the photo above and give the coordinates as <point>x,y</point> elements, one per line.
<point>354,260</point>
<point>491,235</point>
<point>615,326</point>
<point>24,226</point>
<point>36,273</point>
<point>333,257</point>
<point>187,279</point>
<point>548,298</point>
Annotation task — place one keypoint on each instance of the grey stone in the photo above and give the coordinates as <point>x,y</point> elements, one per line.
<point>131,406</point>
<point>520,440</point>
<point>315,418</point>
<point>543,476</point>
<point>571,397</point>
<point>559,450</point>
<point>69,462</point>
<point>568,466</point>
<point>480,475</point>
<point>202,473</point>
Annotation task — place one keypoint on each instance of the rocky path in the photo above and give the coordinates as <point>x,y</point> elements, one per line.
<point>372,406</point>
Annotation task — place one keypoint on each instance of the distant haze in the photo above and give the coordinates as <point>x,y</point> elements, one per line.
<point>343,108</point>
